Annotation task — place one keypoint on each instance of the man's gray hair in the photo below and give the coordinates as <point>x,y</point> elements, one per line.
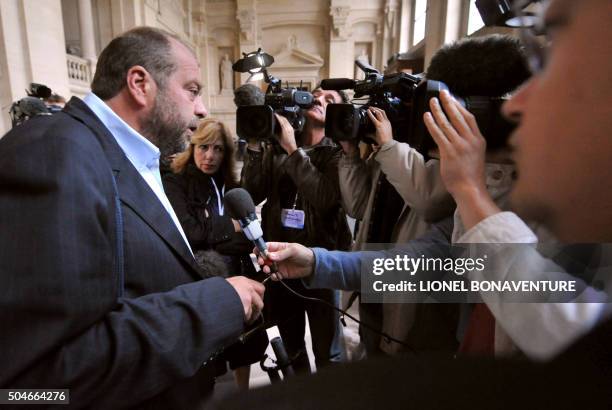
<point>144,46</point>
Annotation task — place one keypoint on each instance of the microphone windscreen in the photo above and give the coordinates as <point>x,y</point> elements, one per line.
<point>248,94</point>
<point>338,84</point>
<point>238,203</point>
<point>32,106</point>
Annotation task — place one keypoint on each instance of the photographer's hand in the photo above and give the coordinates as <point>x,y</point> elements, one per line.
<point>462,158</point>
<point>384,132</point>
<point>293,260</point>
<point>287,135</point>
<point>253,145</point>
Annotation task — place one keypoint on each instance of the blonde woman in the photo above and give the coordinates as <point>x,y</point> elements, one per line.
<point>201,176</point>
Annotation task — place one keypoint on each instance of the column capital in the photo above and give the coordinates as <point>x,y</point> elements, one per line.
<point>340,15</point>
<point>246,20</point>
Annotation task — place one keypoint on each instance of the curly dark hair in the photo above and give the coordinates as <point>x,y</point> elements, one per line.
<point>248,94</point>
<point>491,66</point>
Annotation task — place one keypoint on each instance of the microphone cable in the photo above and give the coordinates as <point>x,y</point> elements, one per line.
<point>263,325</point>
<point>344,313</point>
<point>245,336</point>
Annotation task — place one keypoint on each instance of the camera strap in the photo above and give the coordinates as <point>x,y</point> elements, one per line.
<point>220,196</point>
<point>295,201</point>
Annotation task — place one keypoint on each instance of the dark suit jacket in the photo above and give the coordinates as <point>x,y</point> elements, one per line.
<point>63,322</point>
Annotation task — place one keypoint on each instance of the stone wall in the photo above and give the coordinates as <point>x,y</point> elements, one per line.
<point>56,42</point>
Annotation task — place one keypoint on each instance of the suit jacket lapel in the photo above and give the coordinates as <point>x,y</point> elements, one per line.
<point>134,192</point>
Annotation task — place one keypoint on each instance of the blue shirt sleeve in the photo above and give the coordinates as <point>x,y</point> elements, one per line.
<point>335,270</point>
<point>342,270</point>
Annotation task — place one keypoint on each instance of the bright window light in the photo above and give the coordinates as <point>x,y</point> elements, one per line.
<point>418,24</point>
<point>255,77</point>
<point>475,22</point>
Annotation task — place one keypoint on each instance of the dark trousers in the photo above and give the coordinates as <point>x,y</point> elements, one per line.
<point>287,310</point>
<point>372,315</point>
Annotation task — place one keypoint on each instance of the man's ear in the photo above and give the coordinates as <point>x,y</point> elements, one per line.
<point>140,86</point>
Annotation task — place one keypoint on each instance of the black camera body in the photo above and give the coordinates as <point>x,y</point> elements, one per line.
<point>258,121</point>
<point>30,106</point>
<point>39,91</point>
<point>405,98</point>
<point>486,110</point>
<point>346,122</point>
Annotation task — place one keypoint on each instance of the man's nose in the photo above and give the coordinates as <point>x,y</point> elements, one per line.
<point>200,109</point>
<point>513,108</point>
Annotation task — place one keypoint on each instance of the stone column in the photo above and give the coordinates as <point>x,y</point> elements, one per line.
<point>341,58</point>
<point>390,44</point>
<point>435,27</point>
<point>454,9</point>
<point>86,27</point>
<point>32,49</point>
<point>246,14</point>
<point>202,43</point>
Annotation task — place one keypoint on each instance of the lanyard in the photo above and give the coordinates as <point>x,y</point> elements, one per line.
<point>295,202</point>
<point>219,196</point>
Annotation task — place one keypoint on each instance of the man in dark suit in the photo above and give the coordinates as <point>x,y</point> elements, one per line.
<point>101,294</point>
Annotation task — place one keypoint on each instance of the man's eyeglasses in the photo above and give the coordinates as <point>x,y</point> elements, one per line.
<point>533,33</point>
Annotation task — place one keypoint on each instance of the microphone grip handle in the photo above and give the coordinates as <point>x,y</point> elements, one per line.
<point>260,244</point>
<point>274,376</point>
<point>282,359</point>
<point>273,266</point>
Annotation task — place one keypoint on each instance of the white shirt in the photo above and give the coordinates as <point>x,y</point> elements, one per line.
<point>143,155</point>
<point>540,330</point>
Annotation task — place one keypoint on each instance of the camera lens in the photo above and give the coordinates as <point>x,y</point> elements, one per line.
<point>342,122</point>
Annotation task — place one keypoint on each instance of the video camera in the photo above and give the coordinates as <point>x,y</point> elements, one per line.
<point>39,91</point>
<point>405,98</point>
<point>30,106</point>
<point>258,121</point>
<point>346,122</point>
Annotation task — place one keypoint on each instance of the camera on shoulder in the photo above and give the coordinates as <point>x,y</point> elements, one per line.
<point>257,121</point>
<point>405,98</point>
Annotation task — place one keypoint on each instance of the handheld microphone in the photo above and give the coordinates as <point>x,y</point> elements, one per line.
<point>282,358</point>
<point>338,84</point>
<point>240,206</point>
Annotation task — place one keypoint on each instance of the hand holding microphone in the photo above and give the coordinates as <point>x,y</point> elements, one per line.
<point>240,207</point>
<point>292,260</point>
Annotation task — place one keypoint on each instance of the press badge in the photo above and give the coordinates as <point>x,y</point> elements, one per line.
<point>292,218</point>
